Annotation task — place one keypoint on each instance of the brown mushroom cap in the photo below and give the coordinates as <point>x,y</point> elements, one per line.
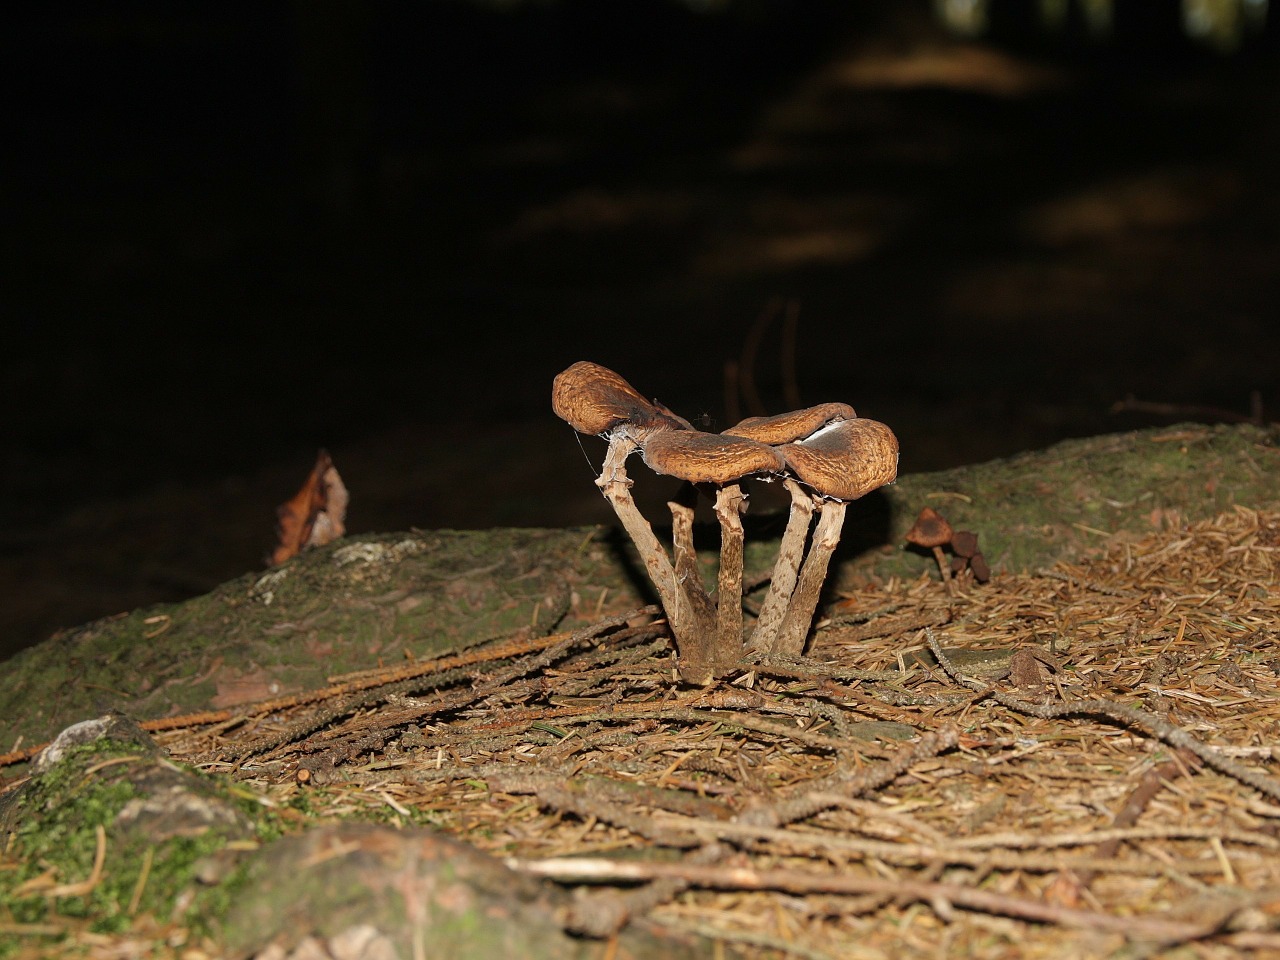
<point>930,529</point>
<point>708,457</point>
<point>789,427</point>
<point>594,399</point>
<point>845,460</point>
<point>964,543</point>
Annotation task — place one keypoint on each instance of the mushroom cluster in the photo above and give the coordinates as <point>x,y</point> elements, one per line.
<point>826,456</point>
<point>932,531</point>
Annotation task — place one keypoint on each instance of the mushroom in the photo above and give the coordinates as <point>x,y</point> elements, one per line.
<point>932,531</point>
<point>718,461</point>
<point>594,399</point>
<point>827,455</point>
<point>842,461</point>
<point>964,544</point>
<point>781,429</point>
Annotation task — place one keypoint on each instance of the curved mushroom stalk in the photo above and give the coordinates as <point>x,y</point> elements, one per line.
<point>786,568</point>
<point>616,487</point>
<point>679,588</point>
<point>594,399</point>
<point>794,628</point>
<point>841,461</point>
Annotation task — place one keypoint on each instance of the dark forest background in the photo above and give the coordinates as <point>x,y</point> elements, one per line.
<point>237,233</point>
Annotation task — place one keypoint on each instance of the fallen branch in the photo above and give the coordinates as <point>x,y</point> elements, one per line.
<point>1161,929</point>
<point>1119,713</point>
<point>520,667</point>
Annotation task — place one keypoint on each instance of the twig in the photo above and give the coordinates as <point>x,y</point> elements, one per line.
<point>603,914</point>
<point>1109,838</point>
<point>1119,713</point>
<point>452,666</point>
<point>805,668</point>
<point>602,870</point>
<point>826,792</point>
<point>521,667</point>
<point>746,938</point>
<point>1152,782</point>
<point>363,680</point>
<point>791,840</point>
<point>603,799</point>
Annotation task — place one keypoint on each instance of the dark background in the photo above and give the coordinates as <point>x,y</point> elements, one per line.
<point>234,234</point>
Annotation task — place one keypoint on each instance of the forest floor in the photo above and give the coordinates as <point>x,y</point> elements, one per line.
<point>1056,764</point>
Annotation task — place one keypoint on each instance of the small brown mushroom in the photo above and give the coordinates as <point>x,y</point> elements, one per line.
<point>782,429</point>
<point>840,462</point>
<point>720,462</point>
<point>964,544</point>
<point>979,568</point>
<point>594,399</point>
<point>932,531</point>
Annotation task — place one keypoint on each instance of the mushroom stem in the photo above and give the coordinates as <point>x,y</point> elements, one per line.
<point>794,628</point>
<point>696,613</point>
<point>945,569</point>
<point>616,487</point>
<point>731,503</point>
<point>785,569</point>
<point>694,640</point>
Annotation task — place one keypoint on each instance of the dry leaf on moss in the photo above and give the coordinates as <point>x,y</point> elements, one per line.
<point>316,514</point>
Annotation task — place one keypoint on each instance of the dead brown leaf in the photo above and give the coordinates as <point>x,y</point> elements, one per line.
<point>316,514</point>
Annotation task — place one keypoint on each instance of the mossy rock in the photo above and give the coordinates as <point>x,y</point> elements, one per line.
<point>370,601</point>
<point>414,892</point>
<point>107,829</point>
<point>107,833</point>
<point>352,605</point>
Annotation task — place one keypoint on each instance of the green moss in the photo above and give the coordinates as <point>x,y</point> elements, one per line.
<point>56,821</point>
<point>330,611</point>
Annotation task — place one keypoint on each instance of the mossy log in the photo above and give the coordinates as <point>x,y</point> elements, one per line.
<point>375,600</point>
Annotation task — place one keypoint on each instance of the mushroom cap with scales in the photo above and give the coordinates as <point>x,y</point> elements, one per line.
<point>708,457</point>
<point>593,399</point>
<point>789,427</point>
<point>844,460</point>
